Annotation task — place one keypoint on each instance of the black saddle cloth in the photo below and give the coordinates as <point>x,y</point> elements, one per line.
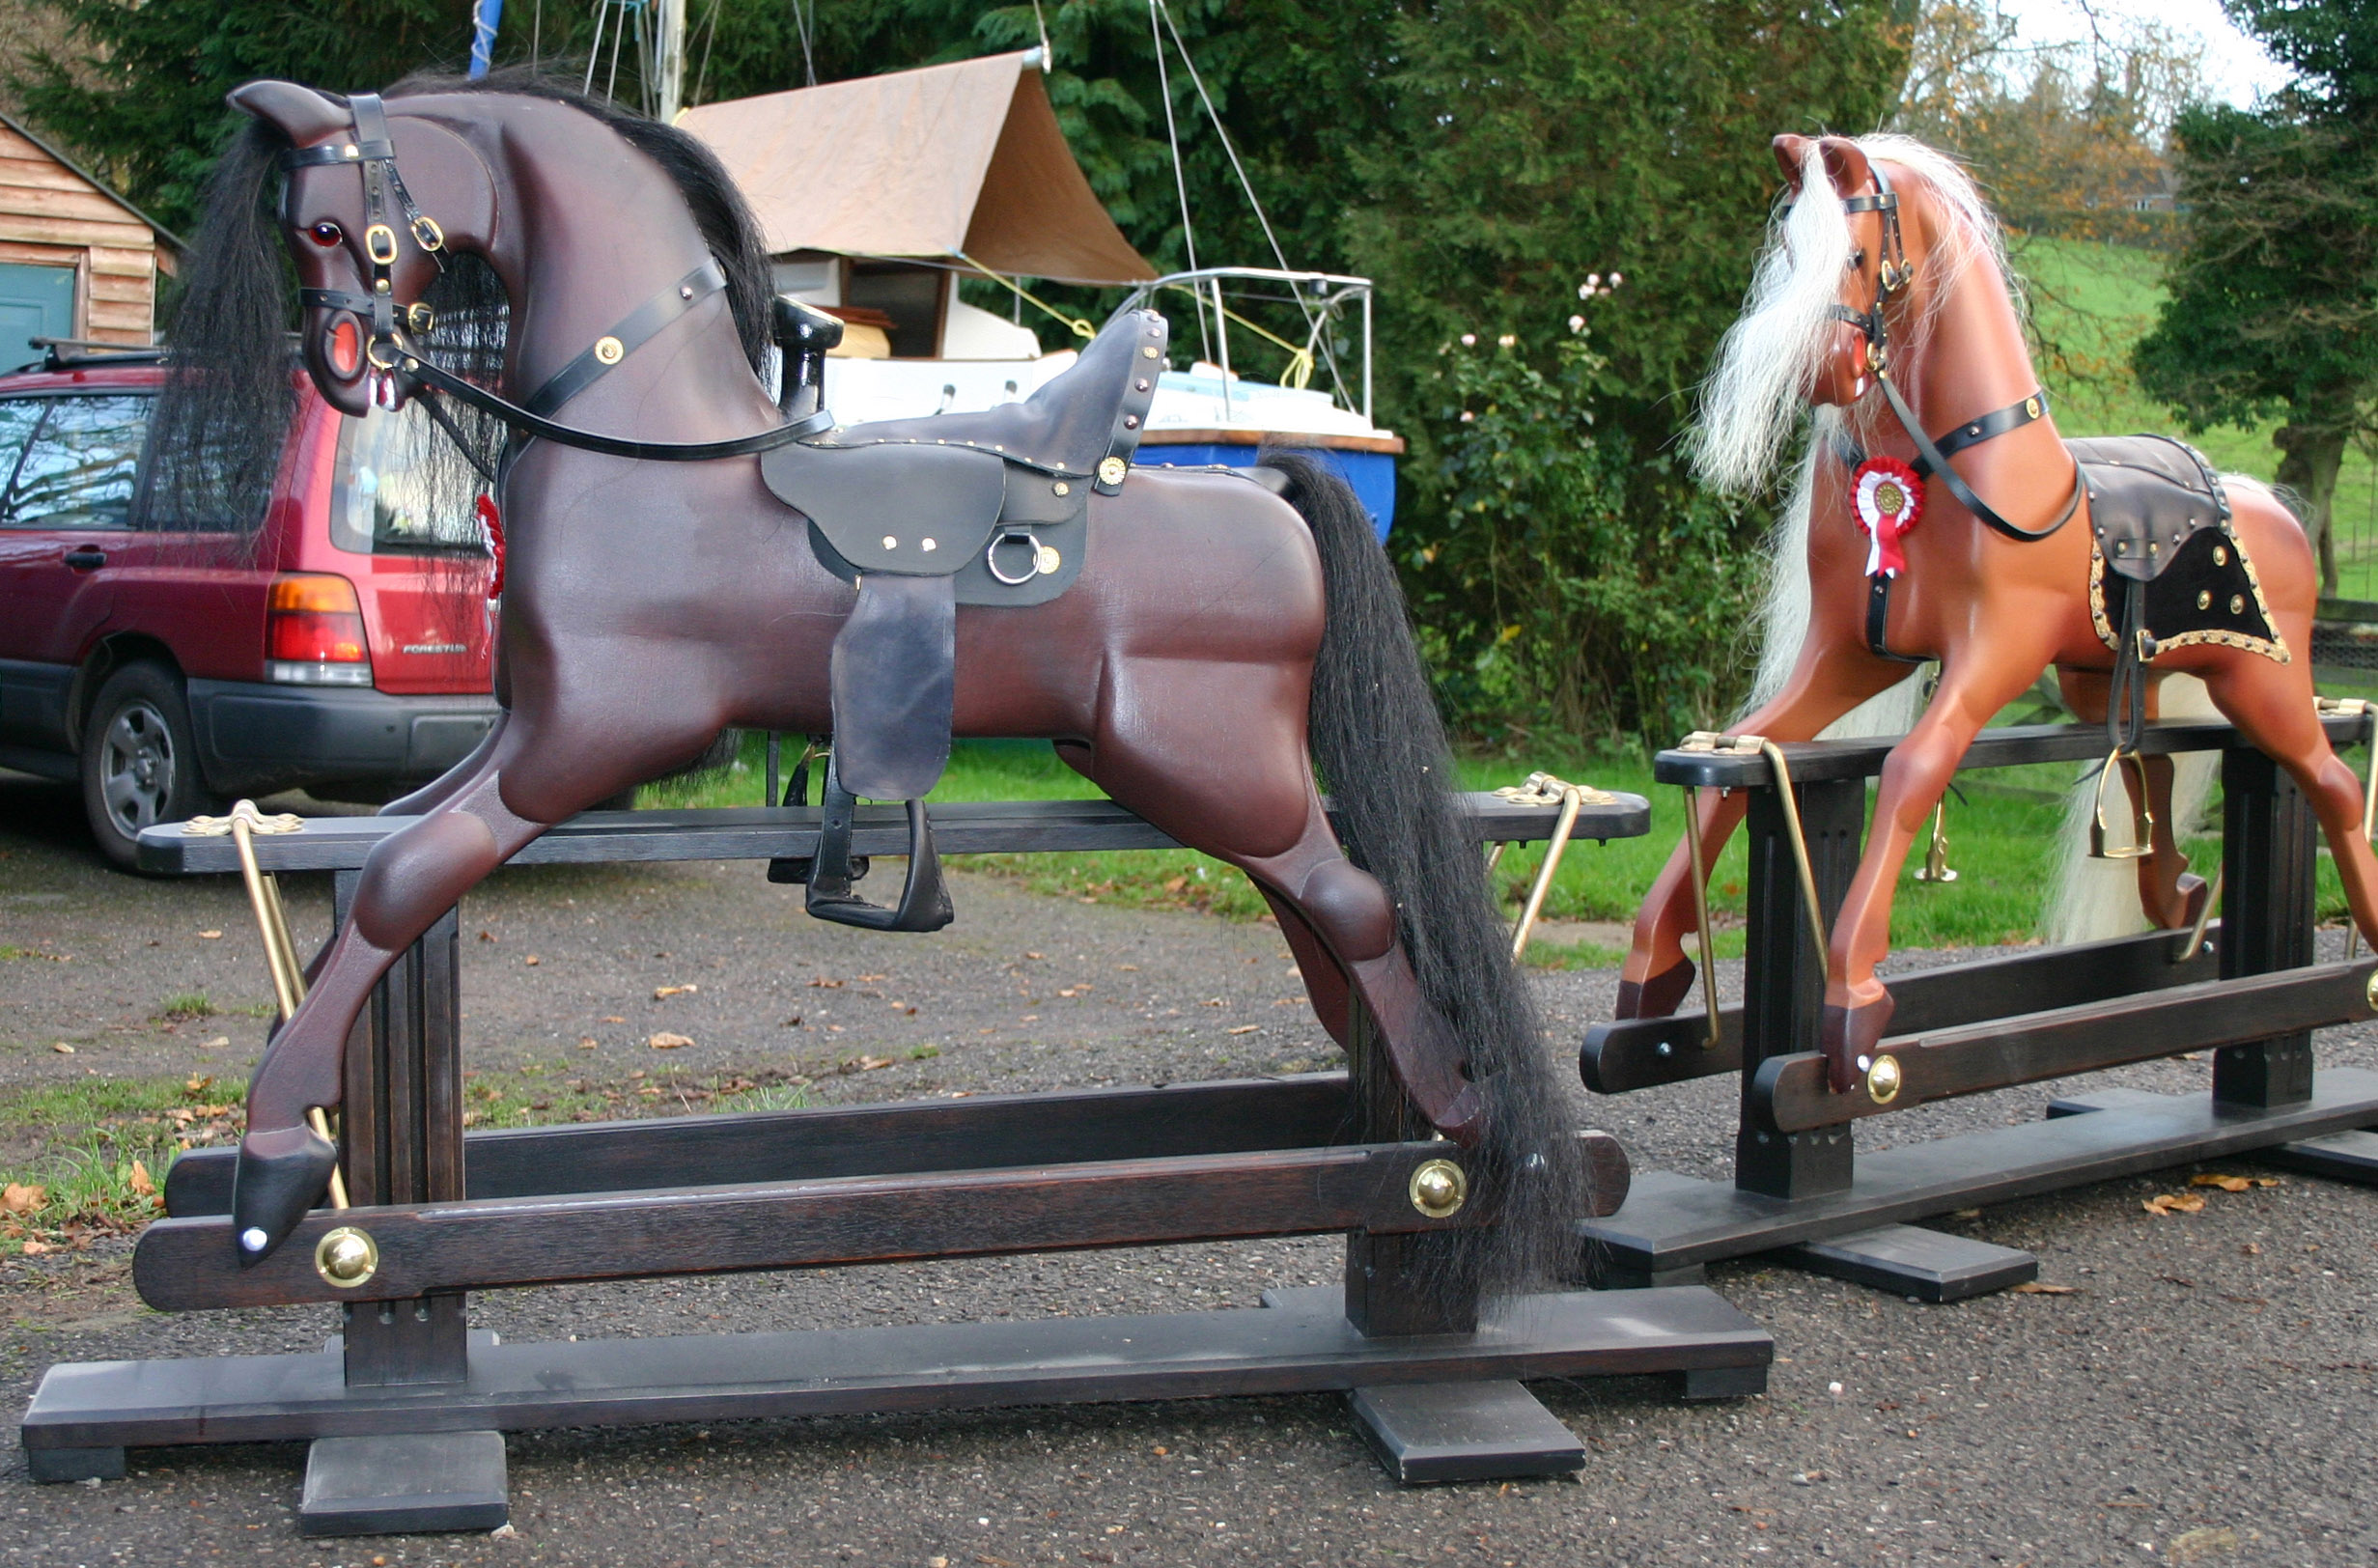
<point>925,515</point>
<point>2159,517</point>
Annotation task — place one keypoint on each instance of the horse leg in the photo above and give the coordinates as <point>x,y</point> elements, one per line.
<point>2169,895</point>
<point>1976,683</point>
<point>1826,683</point>
<point>1246,796</point>
<point>408,880</point>
<point>2272,705</point>
<point>438,791</point>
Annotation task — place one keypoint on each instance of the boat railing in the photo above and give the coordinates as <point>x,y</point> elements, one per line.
<point>1318,297</point>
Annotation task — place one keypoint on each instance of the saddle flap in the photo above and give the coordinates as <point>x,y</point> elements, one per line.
<point>918,511</point>
<point>2148,497</point>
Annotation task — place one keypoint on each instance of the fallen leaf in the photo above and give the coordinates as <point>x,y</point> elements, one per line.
<point>661,993</point>
<point>63,1049</point>
<point>868,1064</point>
<point>2205,1541</point>
<point>34,1248</point>
<point>532,960</point>
<point>865,978</point>
<point>215,1044</point>
<point>824,985</point>
<point>1032,955</point>
<point>665,1040</point>
<point>2228,1184</point>
<point>140,1181</point>
<point>1244,1028</point>
<point>209,935</point>
<point>488,937</point>
<point>17,1198</point>
<point>613,1018</point>
<point>586,1042</point>
<point>2164,1203</point>
<point>195,1084</point>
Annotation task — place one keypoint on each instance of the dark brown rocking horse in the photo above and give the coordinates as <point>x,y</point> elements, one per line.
<point>650,600</point>
<point>1884,300</point>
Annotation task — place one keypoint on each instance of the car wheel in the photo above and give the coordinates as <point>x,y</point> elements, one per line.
<point>139,762</point>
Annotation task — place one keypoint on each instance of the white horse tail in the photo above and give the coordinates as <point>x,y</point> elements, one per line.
<point>2088,900</point>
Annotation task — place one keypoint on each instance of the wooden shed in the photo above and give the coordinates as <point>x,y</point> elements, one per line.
<point>76,259</point>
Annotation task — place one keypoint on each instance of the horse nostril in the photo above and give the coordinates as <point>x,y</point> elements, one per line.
<point>345,347</point>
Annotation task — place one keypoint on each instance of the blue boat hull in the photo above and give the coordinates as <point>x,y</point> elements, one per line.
<point>1372,474</point>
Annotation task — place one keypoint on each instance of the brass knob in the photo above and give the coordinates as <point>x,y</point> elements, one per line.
<point>1439,1189</point>
<point>2370,991</point>
<point>346,1257</point>
<point>1883,1081</point>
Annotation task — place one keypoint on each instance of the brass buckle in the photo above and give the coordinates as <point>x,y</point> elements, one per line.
<point>420,319</point>
<point>380,243</point>
<point>371,352</point>
<point>427,234</point>
<point>2143,844</point>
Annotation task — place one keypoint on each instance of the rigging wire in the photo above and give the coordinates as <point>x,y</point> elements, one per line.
<point>1180,181</point>
<point>804,25</point>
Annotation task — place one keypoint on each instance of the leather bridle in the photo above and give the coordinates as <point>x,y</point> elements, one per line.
<point>1893,273</point>
<point>392,345</point>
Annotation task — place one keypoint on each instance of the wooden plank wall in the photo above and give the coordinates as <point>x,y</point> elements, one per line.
<point>50,215</point>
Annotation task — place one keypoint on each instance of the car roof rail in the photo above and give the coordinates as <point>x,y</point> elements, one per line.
<point>83,353</point>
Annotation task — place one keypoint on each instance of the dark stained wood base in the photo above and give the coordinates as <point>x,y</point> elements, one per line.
<point>1670,1222</point>
<point>1919,1264</point>
<point>1430,1433</point>
<point>2340,1156</point>
<point>1299,1344</point>
<point>404,1484</point>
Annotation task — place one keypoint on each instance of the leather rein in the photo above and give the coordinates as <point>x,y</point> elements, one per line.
<point>1893,273</point>
<point>391,347</point>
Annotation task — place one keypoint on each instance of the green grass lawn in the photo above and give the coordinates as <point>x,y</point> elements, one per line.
<point>2091,303</point>
<point>2002,843</point>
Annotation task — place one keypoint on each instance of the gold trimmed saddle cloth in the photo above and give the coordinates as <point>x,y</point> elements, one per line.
<point>2159,517</point>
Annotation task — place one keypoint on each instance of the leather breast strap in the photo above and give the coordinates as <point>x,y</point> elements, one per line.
<point>632,333</point>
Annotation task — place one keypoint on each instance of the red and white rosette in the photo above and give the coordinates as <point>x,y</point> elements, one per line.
<point>1891,499</point>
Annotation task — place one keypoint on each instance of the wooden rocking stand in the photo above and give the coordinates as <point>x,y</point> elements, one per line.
<point>2248,990</point>
<point>406,1407</point>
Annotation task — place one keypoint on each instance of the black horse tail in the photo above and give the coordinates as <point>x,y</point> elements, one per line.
<point>1382,751</point>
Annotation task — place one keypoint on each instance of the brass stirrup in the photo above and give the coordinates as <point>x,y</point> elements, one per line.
<point>2143,840</point>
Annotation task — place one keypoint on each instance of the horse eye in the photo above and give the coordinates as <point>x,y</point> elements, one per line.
<point>326,233</point>
<point>1858,257</point>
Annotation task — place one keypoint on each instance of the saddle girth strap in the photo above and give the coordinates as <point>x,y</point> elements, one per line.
<point>2126,694</point>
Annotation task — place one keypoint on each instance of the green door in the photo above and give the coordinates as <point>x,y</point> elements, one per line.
<point>35,303</point>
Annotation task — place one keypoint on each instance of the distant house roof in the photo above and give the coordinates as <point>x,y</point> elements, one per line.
<point>89,179</point>
<point>948,161</point>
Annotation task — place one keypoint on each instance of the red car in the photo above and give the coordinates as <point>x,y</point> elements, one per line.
<point>170,664</point>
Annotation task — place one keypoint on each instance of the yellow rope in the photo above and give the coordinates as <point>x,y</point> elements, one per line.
<point>1080,326</point>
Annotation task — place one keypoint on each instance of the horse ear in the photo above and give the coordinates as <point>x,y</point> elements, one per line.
<point>1846,164</point>
<point>1791,156</point>
<point>301,112</point>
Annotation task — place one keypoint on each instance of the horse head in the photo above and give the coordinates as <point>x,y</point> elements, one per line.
<point>1876,269</point>
<point>372,202</point>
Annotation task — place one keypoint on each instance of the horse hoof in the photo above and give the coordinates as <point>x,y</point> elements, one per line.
<point>281,1174</point>
<point>2194,891</point>
<point>1849,1036</point>
<point>1657,996</point>
<point>1464,1120</point>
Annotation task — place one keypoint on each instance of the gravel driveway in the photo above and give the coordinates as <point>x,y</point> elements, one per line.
<point>2203,1393</point>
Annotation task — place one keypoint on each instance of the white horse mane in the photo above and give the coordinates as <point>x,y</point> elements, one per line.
<point>1768,361</point>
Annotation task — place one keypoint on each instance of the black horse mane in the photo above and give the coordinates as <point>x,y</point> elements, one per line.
<point>219,428</point>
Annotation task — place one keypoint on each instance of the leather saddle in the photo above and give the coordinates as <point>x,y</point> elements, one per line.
<point>2160,520</point>
<point>923,515</point>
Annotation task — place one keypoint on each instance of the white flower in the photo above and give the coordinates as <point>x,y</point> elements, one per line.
<point>1469,340</point>
<point>1467,417</point>
<point>1593,280</point>
<point>1509,341</point>
<point>1577,323</point>
<point>1584,290</point>
<point>1616,280</point>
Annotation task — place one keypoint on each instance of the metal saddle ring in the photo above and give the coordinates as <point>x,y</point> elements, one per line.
<point>1022,536</point>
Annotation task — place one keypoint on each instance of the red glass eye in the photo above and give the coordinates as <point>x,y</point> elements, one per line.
<point>326,233</point>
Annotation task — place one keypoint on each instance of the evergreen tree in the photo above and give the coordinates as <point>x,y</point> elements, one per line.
<point>2274,298</point>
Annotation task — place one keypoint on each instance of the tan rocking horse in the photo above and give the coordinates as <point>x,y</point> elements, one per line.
<point>1947,520</point>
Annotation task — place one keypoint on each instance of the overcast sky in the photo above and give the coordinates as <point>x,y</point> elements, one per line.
<point>2234,64</point>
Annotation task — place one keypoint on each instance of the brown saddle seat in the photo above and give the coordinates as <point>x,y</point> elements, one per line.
<point>2159,517</point>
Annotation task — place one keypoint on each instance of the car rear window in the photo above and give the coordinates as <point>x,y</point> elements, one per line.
<point>401,487</point>
<point>78,467</point>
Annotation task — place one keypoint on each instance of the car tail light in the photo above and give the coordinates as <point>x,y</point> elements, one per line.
<point>314,633</point>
